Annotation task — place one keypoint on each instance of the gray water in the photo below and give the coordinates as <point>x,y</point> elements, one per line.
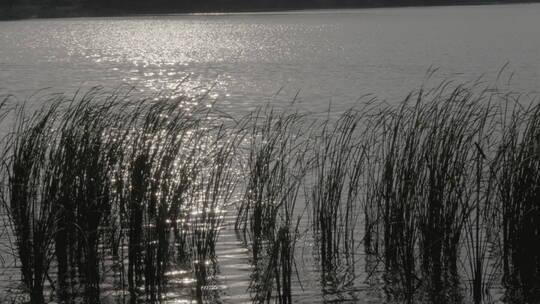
<point>245,60</point>
<point>325,56</point>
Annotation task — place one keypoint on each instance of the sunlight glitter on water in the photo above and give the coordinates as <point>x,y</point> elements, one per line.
<point>247,59</point>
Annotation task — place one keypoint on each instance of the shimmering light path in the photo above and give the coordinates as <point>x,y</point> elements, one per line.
<point>244,60</point>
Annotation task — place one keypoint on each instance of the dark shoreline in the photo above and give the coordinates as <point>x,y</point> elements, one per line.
<point>22,13</point>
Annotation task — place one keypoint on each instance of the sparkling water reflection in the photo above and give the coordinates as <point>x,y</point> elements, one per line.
<point>243,60</point>
<point>246,59</point>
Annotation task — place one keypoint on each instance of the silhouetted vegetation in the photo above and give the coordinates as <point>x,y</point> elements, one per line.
<point>267,214</point>
<point>441,190</point>
<point>73,8</point>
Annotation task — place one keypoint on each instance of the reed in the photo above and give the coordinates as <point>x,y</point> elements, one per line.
<point>212,198</point>
<point>83,170</point>
<point>424,157</point>
<point>158,175</point>
<point>276,167</point>
<point>86,157</point>
<point>108,178</point>
<point>482,226</point>
<point>519,195</point>
<point>337,173</point>
<point>448,149</point>
<point>397,189</point>
<point>272,138</point>
<point>26,171</point>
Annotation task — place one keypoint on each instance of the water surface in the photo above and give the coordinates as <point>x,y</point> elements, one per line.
<point>245,60</point>
<point>323,56</point>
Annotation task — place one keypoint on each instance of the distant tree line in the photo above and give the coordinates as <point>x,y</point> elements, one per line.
<point>115,7</point>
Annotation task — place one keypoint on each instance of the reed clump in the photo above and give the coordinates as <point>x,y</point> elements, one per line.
<point>435,162</point>
<point>268,213</point>
<point>519,194</point>
<point>89,178</point>
<point>441,189</point>
<point>337,170</point>
<point>393,202</point>
<point>153,185</point>
<point>26,173</point>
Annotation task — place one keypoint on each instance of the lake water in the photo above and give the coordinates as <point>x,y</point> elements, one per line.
<point>245,60</point>
<point>325,56</point>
